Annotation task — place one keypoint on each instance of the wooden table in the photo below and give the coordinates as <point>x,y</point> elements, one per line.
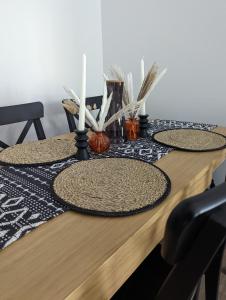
<point>75,256</point>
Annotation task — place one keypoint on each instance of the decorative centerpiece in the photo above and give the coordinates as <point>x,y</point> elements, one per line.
<point>115,130</point>
<point>143,117</point>
<point>132,128</point>
<point>81,144</point>
<point>131,122</point>
<point>130,107</point>
<point>148,83</point>
<point>98,140</point>
<point>81,133</point>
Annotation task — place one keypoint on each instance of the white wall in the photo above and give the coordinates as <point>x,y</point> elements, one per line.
<point>186,36</point>
<point>41,44</point>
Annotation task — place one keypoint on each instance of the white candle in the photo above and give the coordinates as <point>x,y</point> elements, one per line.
<point>82,109</point>
<point>143,106</point>
<point>130,86</point>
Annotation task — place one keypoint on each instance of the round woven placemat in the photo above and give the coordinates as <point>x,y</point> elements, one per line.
<point>111,186</point>
<point>38,152</point>
<point>191,139</point>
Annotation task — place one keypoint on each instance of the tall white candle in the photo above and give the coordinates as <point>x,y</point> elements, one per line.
<point>130,86</point>
<point>142,76</point>
<point>82,109</point>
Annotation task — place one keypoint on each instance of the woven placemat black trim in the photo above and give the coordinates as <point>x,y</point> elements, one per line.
<point>185,149</point>
<point>3,163</point>
<point>115,214</point>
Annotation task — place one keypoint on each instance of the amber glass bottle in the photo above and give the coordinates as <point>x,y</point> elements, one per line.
<point>131,126</point>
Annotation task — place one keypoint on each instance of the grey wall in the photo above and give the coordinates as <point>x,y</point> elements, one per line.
<point>42,42</point>
<point>186,36</point>
<point>189,37</point>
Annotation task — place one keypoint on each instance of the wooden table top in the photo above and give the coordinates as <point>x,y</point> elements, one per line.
<point>75,256</point>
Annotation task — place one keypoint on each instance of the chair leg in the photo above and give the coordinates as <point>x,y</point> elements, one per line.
<point>24,132</point>
<point>212,275</point>
<point>3,145</point>
<point>71,121</point>
<point>196,295</point>
<point>212,185</point>
<point>39,129</point>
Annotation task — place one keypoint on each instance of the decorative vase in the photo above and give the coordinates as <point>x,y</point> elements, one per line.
<point>131,126</point>
<point>115,130</point>
<point>99,142</point>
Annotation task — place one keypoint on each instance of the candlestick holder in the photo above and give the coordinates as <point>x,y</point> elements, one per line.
<point>143,126</point>
<point>81,144</point>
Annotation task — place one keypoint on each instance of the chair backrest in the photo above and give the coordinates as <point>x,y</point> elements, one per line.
<point>195,234</point>
<point>92,103</point>
<point>30,112</point>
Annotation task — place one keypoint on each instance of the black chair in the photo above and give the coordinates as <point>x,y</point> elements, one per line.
<point>30,112</point>
<point>92,102</point>
<point>193,246</point>
<point>213,184</point>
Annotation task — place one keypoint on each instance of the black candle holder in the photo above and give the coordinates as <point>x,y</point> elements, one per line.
<point>143,126</point>
<point>81,144</point>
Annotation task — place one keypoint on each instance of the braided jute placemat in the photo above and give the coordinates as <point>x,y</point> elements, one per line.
<point>111,186</point>
<point>38,152</point>
<point>195,140</point>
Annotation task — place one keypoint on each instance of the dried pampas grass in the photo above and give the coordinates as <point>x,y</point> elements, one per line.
<point>119,75</point>
<point>130,109</point>
<point>150,81</point>
<point>90,120</point>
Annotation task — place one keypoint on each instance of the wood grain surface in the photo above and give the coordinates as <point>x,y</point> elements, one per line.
<point>75,256</point>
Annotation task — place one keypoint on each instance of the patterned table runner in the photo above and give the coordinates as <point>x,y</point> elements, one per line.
<point>25,195</point>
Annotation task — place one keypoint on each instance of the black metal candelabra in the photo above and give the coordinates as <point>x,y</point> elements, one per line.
<point>82,145</point>
<point>143,120</point>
